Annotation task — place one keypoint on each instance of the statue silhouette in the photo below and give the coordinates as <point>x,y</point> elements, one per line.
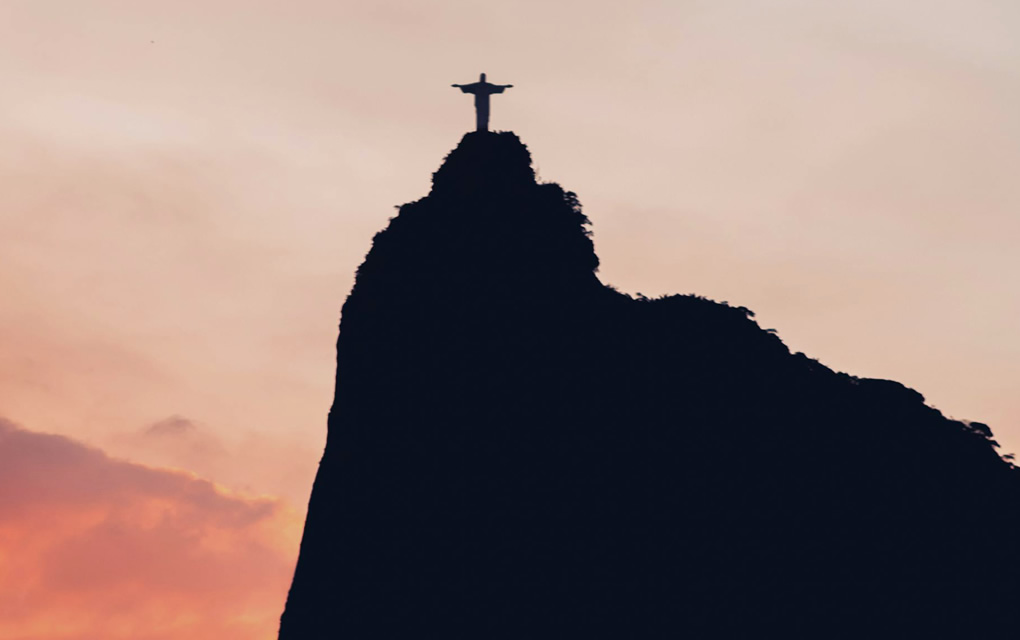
<point>482,91</point>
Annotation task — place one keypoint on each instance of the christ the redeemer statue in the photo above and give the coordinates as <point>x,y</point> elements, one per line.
<point>482,91</point>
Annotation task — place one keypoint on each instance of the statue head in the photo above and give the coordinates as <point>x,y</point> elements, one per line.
<point>482,78</point>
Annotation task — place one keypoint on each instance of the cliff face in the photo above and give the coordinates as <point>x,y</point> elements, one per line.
<point>516,450</point>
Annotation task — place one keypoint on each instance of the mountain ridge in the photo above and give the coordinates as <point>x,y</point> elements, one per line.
<point>517,450</point>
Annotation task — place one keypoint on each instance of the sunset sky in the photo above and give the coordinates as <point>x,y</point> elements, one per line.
<point>188,187</point>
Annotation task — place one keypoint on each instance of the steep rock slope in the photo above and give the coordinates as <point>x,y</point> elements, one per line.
<point>517,451</point>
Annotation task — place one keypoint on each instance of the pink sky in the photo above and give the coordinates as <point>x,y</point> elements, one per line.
<point>188,188</point>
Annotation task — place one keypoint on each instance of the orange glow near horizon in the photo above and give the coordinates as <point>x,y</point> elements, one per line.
<point>94,547</point>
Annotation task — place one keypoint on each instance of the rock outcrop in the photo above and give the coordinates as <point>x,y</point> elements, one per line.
<point>517,451</point>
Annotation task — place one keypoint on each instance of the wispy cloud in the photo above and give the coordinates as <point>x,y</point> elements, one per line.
<point>172,426</point>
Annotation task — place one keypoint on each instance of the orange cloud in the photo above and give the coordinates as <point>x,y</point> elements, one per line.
<point>92,548</point>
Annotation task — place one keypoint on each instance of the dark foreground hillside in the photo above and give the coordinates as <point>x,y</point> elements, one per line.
<point>518,451</point>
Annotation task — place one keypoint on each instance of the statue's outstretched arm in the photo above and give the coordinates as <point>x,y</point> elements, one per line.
<point>457,85</point>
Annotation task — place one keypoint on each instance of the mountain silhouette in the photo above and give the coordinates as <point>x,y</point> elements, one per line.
<point>516,450</point>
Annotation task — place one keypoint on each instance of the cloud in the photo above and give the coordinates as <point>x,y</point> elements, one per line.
<point>174,425</point>
<point>95,547</point>
<point>181,442</point>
